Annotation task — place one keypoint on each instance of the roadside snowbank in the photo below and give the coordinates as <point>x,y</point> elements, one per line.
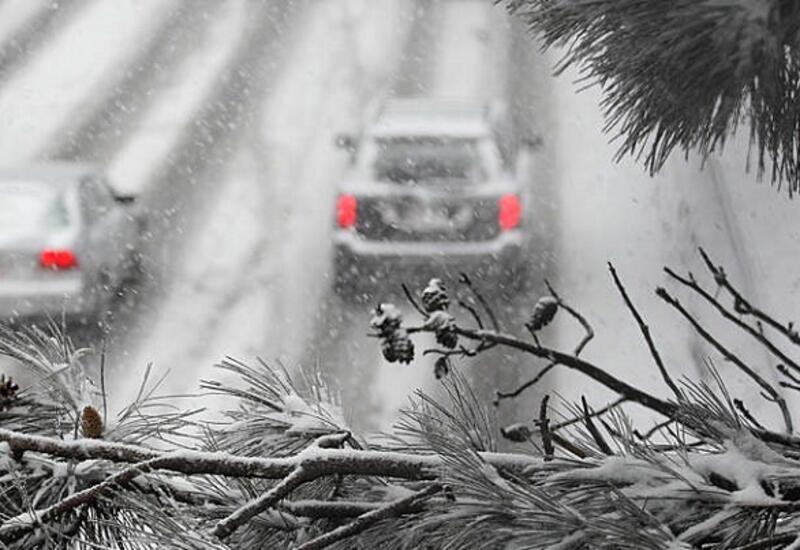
<point>616,212</point>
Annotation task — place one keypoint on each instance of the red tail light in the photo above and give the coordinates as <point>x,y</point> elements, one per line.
<point>509,212</point>
<point>57,259</point>
<point>346,211</point>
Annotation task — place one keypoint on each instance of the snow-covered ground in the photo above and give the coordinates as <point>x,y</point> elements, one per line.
<point>48,93</point>
<point>616,212</point>
<point>15,15</point>
<point>264,250</point>
<point>158,132</point>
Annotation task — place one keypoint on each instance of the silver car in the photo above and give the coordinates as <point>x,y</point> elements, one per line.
<point>66,242</point>
<point>432,190</point>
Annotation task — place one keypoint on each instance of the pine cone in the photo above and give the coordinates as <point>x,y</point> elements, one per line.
<point>8,392</point>
<point>434,297</point>
<point>518,433</point>
<point>441,368</point>
<point>386,320</point>
<point>91,423</point>
<point>403,346</point>
<point>444,326</point>
<point>543,312</point>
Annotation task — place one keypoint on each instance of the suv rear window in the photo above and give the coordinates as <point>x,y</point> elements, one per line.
<point>420,160</point>
<point>31,206</point>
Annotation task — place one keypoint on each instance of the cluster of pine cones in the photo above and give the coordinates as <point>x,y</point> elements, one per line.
<point>395,343</point>
<point>435,302</point>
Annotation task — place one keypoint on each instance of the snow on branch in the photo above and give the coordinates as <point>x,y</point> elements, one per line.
<point>685,74</point>
<point>283,470</point>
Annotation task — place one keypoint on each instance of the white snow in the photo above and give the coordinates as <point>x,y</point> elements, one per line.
<point>264,248</point>
<point>42,98</point>
<point>617,212</point>
<point>15,15</point>
<point>157,133</point>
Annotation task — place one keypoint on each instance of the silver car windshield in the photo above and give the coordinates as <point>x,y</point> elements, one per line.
<point>32,206</point>
<point>420,160</point>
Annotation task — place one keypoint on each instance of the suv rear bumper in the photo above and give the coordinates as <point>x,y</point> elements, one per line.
<point>362,261</point>
<point>45,298</point>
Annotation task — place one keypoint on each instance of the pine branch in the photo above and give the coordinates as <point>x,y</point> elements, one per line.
<point>646,333</point>
<point>684,74</point>
<point>364,521</point>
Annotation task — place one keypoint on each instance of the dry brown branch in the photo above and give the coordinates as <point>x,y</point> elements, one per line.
<point>587,337</point>
<point>763,340</point>
<point>742,305</point>
<point>645,330</point>
<point>15,528</point>
<point>576,363</point>
<point>757,378</point>
<point>334,461</point>
<point>364,521</point>
<point>543,423</point>
<point>479,296</point>
<point>596,435</point>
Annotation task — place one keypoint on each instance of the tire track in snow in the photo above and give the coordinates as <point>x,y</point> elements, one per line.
<point>251,282</point>
<point>25,25</point>
<point>99,127</point>
<point>337,342</point>
<point>48,92</point>
<point>181,188</point>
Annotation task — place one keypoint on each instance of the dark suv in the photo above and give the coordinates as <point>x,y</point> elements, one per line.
<point>431,190</point>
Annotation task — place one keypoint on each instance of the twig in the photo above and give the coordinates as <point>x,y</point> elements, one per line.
<point>789,385</point>
<point>788,374</point>
<point>692,284</point>
<point>414,304</point>
<point>766,386</point>
<point>740,406</point>
<point>298,477</point>
<point>544,428</point>
<point>596,435</point>
<point>363,522</point>
<point>576,363</point>
<point>568,445</point>
<point>645,330</point>
<point>489,311</point>
<point>508,395</point>
<point>599,412</point>
<point>658,427</point>
<point>103,382</point>
<point>744,306</point>
<point>332,509</point>
<point>589,334</point>
<point>15,528</point>
<point>587,327</point>
<point>473,311</point>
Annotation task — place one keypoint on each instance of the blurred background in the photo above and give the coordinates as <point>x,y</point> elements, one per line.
<point>207,127</point>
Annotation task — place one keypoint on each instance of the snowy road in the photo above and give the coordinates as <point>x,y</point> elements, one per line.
<point>221,115</point>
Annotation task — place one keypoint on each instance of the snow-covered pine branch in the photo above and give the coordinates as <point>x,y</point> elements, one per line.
<point>685,74</point>
<point>283,470</point>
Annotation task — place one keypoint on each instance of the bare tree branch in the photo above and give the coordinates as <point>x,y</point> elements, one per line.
<point>763,340</point>
<point>646,333</point>
<point>757,378</point>
<point>368,519</point>
<point>742,305</point>
<point>587,337</point>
